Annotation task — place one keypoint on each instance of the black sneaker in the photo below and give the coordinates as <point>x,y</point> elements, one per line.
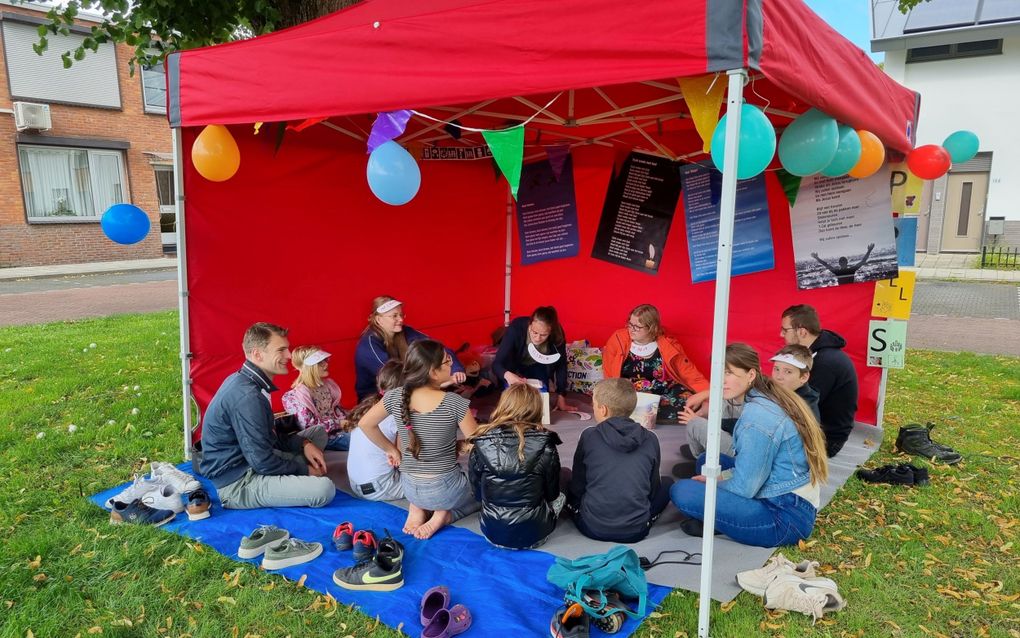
<point>920,473</point>
<point>891,474</point>
<point>916,439</point>
<point>382,572</point>
<point>138,513</point>
<point>686,468</point>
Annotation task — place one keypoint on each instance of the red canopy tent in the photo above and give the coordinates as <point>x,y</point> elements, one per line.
<point>297,238</point>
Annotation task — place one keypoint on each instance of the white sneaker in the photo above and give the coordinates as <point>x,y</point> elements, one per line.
<point>139,488</point>
<point>756,580</point>
<point>168,473</point>
<point>165,498</point>
<point>810,596</point>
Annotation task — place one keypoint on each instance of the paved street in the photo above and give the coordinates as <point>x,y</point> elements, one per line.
<point>961,316</point>
<point>27,301</point>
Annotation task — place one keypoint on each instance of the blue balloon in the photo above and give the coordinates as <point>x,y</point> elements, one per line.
<point>962,146</point>
<point>757,142</point>
<point>848,153</point>
<point>809,143</point>
<point>125,224</point>
<point>393,175</point>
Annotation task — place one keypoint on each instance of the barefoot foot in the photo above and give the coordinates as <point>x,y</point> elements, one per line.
<point>416,516</point>
<point>439,520</point>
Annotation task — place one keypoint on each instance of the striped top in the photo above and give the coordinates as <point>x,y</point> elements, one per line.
<point>436,432</point>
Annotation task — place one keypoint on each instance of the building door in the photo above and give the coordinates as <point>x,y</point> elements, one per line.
<point>964,224</point>
<point>167,208</point>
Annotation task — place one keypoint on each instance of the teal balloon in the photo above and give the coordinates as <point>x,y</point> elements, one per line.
<point>848,153</point>
<point>757,142</point>
<point>962,146</point>
<point>393,175</point>
<point>809,143</point>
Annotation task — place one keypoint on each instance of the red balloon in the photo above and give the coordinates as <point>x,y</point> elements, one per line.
<point>930,161</point>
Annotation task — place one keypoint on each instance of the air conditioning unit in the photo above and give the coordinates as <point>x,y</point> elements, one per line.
<point>32,116</point>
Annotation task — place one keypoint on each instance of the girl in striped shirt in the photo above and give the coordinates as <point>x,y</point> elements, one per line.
<point>426,448</point>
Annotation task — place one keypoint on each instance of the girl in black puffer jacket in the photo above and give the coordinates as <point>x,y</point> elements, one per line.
<point>515,472</point>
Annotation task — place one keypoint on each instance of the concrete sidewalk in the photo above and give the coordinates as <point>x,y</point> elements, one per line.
<point>944,266</point>
<point>63,270</point>
<point>957,266</point>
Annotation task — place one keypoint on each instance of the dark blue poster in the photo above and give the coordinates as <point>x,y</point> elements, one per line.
<point>752,234</point>
<point>547,213</point>
<point>906,239</point>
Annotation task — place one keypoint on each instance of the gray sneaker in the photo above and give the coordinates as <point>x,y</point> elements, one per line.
<point>810,596</point>
<point>260,540</point>
<point>290,552</point>
<point>756,580</point>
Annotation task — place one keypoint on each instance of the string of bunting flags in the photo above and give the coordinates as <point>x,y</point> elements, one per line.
<point>813,143</point>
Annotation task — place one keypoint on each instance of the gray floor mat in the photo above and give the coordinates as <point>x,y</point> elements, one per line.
<point>730,557</point>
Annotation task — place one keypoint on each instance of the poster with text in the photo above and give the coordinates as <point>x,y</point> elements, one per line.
<point>887,343</point>
<point>752,234</point>
<point>843,231</point>
<point>638,212</point>
<point>547,213</point>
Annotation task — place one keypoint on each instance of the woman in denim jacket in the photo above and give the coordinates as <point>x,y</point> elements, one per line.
<point>778,466</point>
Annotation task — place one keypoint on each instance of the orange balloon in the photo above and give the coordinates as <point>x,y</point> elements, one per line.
<point>872,155</point>
<point>215,154</point>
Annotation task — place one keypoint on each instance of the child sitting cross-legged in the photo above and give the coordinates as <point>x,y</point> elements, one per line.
<point>615,491</point>
<point>515,471</point>
<point>315,398</point>
<point>791,368</point>
<point>372,477</point>
<point>427,423</point>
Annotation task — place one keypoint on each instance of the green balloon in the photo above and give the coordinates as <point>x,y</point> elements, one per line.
<point>962,146</point>
<point>809,143</point>
<point>847,153</point>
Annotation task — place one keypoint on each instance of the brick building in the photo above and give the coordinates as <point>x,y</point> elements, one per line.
<point>108,142</point>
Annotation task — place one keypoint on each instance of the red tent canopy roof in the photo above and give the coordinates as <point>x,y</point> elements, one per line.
<point>384,55</point>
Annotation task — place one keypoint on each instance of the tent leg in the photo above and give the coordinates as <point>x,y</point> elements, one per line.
<point>182,290</point>
<point>509,257</point>
<point>722,302</point>
<point>881,397</point>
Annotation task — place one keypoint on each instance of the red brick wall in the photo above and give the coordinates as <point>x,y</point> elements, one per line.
<point>24,244</point>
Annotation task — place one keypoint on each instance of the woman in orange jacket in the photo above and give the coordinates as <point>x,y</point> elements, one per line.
<point>655,363</point>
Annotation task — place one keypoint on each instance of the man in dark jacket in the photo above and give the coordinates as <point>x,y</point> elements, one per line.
<point>832,373</point>
<point>615,491</point>
<point>250,465</point>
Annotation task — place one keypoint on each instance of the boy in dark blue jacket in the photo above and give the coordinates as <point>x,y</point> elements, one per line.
<point>615,490</point>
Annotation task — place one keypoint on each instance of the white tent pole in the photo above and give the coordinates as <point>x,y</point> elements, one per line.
<point>727,210</point>
<point>881,397</point>
<point>509,256</point>
<point>182,288</point>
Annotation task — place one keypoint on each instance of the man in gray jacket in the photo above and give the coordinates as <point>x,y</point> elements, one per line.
<point>250,464</point>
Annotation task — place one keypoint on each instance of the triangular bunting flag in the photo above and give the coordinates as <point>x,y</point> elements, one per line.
<point>791,185</point>
<point>453,128</point>
<point>704,104</point>
<point>508,150</point>
<point>387,126</point>
<point>557,157</point>
<point>281,128</point>
<point>297,128</point>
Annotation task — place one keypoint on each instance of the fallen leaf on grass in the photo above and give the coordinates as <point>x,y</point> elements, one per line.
<point>268,587</point>
<point>725,607</point>
<point>35,564</point>
<point>95,630</point>
<point>123,622</point>
<point>301,581</point>
<point>226,600</point>
<point>40,578</point>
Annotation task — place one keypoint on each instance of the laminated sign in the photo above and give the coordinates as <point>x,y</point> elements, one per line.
<point>584,367</point>
<point>893,297</point>
<point>887,344</point>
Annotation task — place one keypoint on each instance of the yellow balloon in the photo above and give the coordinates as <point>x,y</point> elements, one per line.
<point>872,155</point>
<point>215,154</point>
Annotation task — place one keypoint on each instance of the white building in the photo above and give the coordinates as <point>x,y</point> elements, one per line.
<point>963,57</point>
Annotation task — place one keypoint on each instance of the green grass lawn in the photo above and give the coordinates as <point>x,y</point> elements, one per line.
<point>934,561</point>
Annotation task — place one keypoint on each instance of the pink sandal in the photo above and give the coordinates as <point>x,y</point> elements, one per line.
<point>434,600</point>
<point>448,622</point>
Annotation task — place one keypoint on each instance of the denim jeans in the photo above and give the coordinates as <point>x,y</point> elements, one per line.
<point>764,522</point>
<point>449,491</point>
<point>339,442</point>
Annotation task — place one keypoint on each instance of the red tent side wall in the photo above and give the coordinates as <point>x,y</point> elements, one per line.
<point>299,240</point>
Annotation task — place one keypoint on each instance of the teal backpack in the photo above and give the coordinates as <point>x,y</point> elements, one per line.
<point>617,570</point>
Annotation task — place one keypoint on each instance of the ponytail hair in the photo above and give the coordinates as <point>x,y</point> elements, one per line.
<point>743,357</point>
<point>390,376</point>
<point>422,358</point>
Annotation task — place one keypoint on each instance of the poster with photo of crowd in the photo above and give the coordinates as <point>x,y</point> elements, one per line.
<point>843,231</point>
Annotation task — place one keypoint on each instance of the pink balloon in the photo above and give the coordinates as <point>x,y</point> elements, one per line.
<point>930,161</point>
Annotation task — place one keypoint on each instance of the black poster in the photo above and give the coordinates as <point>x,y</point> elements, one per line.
<point>638,212</point>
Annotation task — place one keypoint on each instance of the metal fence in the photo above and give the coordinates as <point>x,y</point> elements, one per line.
<point>1000,257</point>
